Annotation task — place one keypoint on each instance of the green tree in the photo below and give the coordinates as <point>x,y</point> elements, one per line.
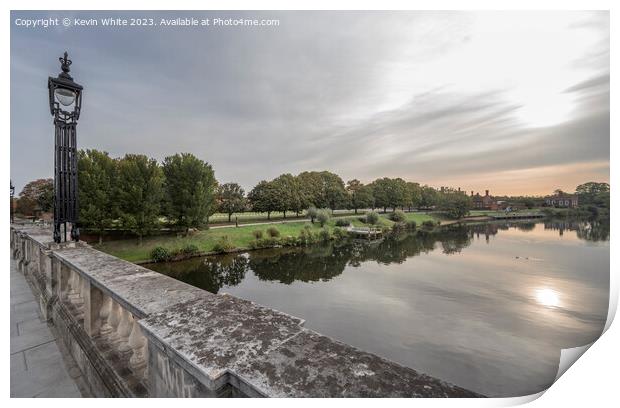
<point>139,193</point>
<point>360,196</point>
<point>428,197</point>
<point>264,198</point>
<point>593,193</point>
<point>380,191</point>
<point>390,193</point>
<point>322,217</point>
<point>231,199</point>
<point>189,190</point>
<point>335,194</point>
<point>311,184</point>
<point>323,189</point>
<point>97,173</point>
<point>298,200</point>
<point>455,204</point>
<point>528,203</point>
<point>289,194</point>
<point>413,195</point>
<point>312,213</point>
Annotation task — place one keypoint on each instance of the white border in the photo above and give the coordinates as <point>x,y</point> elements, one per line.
<point>589,382</point>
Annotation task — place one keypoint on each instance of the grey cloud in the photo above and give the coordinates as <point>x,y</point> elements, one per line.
<point>259,102</point>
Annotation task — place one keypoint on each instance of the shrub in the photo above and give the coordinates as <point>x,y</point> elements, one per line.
<point>312,213</point>
<point>372,218</point>
<point>273,232</point>
<point>398,216</point>
<point>289,241</point>
<point>428,225</point>
<point>303,237</point>
<point>412,225</point>
<point>160,254</point>
<point>322,217</point>
<point>189,249</point>
<point>264,243</point>
<point>258,234</point>
<point>306,236</point>
<point>339,233</point>
<point>399,226</point>
<point>224,244</point>
<point>324,235</point>
<point>343,223</point>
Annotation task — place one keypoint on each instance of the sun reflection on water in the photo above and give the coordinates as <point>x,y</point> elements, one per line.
<point>547,297</point>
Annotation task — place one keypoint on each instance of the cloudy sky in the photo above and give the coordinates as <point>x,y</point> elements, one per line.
<point>514,102</point>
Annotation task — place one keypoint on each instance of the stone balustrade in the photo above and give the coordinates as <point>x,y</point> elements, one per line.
<point>137,333</point>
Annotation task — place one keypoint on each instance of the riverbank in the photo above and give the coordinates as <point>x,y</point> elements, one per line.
<point>229,238</point>
<point>244,237</point>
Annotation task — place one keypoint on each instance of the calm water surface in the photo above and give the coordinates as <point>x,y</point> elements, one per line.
<point>486,307</point>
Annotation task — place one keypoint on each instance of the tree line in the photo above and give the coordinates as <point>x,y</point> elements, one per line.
<point>138,194</point>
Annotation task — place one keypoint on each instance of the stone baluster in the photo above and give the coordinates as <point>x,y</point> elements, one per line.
<point>75,296</point>
<point>104,315</point>
<point>35,267</point>
<point>124,331</point>
<point>30,264</point>
<point>114,321</point>
<point>71,292</point>
<point>23,266</point>
<point>137,342</point>
<point>83,290</point>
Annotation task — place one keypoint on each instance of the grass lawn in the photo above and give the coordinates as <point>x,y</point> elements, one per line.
<point>241,237</point>
<point>419,218</point>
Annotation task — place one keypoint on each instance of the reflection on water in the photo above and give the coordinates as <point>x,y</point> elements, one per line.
<point>487,307</point>
<point>547,297</point>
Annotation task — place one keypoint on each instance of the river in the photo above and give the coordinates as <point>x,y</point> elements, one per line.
<point>487,307</point>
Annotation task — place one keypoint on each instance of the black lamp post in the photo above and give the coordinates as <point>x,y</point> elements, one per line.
<point>65,99</point>
<point>12,195</point>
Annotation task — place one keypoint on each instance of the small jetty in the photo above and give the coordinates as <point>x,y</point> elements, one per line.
<point>365,232</point>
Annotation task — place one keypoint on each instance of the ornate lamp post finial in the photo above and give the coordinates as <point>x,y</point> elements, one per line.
<point>65,63</point>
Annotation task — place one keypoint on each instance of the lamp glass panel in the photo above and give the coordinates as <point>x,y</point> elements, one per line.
<point>64,96</point>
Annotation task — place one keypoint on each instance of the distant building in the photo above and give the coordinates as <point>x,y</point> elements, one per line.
<point>485,202</point>
<point>562,200</point>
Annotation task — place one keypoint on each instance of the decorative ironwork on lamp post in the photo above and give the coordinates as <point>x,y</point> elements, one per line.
<point>65,99</point>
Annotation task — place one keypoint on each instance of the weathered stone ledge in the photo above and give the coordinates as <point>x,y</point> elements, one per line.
<point>135,332</point>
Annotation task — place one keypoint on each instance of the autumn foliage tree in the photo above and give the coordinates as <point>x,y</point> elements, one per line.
<point>36,197</point>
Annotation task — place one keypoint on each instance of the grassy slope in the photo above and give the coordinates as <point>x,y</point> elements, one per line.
<point>240,237</point>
